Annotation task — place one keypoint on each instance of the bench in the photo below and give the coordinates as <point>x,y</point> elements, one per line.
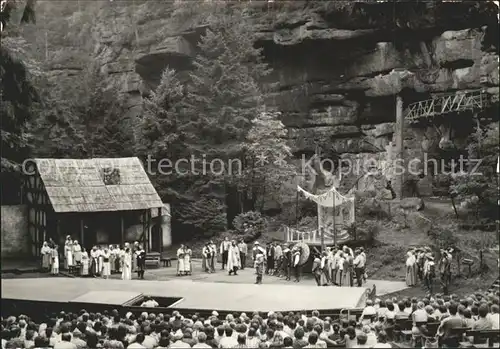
<point>492,336</point>
<point>152,259</point>
<point>167,261</point>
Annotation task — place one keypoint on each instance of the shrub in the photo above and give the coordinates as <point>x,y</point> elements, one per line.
<point>250,225</point>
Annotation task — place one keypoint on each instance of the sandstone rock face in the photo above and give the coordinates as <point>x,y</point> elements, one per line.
<point>338,74</point>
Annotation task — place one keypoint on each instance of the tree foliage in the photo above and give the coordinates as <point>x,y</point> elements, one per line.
<point>478,187</point>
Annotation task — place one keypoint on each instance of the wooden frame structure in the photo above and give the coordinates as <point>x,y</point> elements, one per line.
<point>448,103</point>
<point>57,189</point>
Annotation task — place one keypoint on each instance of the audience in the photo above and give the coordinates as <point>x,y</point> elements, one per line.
<point>376,328</point>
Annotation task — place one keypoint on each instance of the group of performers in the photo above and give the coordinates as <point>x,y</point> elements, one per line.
<point>420,265</point>
<point>184,254</point>
<point>340,267</point>
<point>99,262</point>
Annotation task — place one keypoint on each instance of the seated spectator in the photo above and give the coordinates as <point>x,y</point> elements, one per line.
<point>287,342</point>
<point>447,325</point>
<point>361,341</point>
<point>401,314</point>
<point>299,341</point>
<point>382,341</point>
<point>494,317</point>
<point>369,313</point>
<point>483,323</point>
<point>312,340</point>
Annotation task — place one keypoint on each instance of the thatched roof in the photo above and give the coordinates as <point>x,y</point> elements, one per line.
<point>75,185</point>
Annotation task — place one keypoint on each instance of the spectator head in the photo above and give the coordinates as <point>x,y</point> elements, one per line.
<point>251,332</point>
<point>362,338</point>
<point>351,332</point>
<point>382,337</point>
<point>453,308</point>
<point>242,339</point>
<point>298,333</point>
<point>313,338</point>
<point>483,310</point>
<point>220,331</point>
<point>202,338</point>
<point>66,337</point>
<point>41,342</point>
<point>140,338</point>
<point>165,342</point>
<point>390,306</point>
<point>467,314</point>
<point>288,342</point>
<point>494,309</point>
<point>401,306</point>
<point>228,331</point>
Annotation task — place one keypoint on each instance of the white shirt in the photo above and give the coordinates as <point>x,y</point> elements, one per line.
<point>179,344</point>
<point>296,260</point>
<point>136,346</point>
<point>382,345</point>
<point>201,345</point>
<point>227,342</point>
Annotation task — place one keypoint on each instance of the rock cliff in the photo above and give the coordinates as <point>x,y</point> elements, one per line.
<point>339,65</point>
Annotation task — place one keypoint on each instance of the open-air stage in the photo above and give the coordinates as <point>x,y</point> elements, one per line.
<point>187,294</point>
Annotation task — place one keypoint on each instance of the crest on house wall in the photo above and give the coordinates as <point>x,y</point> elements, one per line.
<point>110,176</point>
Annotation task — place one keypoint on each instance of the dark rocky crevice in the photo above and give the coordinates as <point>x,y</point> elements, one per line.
<point>459,64</point>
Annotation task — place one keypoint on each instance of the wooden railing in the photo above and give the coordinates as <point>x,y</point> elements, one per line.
<point>449,103</point>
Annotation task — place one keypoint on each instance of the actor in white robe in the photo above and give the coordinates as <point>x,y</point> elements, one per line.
<point>233,259</point>
<point>46,256</point>
<point>187,260</point>
<point>106,263</point>
<point>411,269</point>
<point>85,263</point>
<point>181,268</point>
<point>77,252</point>
<point>68,253</point>
<point>55,261</point>
<point>127,264</point>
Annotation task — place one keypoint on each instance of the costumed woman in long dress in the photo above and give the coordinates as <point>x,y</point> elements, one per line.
<point>233,259</point>
<point>77,253</point>
<point>68,253</point>
<point>55,260</point>
<point>106,265</point>
<point>112,258</point>
<point>259,266</point>
<point>187,260</point>
<point>127,264</point>
<point>181,268</point>
<point>85,263</point>
<point>205,253</point>
<point>411,269</point>
<point>46,256</point>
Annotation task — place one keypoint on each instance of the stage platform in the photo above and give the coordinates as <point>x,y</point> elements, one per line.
<point>189,295</point>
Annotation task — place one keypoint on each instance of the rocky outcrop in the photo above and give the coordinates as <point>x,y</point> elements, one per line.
<point>338,66</point>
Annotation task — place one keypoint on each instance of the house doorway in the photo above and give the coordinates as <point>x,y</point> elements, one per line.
<point>156,238</point>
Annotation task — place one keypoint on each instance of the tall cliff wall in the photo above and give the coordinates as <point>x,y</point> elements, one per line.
<point>338,64</point>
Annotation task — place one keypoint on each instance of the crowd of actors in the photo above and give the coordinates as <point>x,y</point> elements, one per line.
<point>98,262</point>
<point>340,266</point>
<point>420,265</point>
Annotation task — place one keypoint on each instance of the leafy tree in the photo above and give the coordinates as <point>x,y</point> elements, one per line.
<point>17,95</point>
<point>266,159</point>
<point>479,188</point>
<point>206,217</point>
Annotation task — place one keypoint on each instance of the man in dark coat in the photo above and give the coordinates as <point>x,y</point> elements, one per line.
<point>141,263</point>
<point>270,258</point>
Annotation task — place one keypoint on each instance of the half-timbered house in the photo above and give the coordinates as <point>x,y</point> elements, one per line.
<point>96,201</point>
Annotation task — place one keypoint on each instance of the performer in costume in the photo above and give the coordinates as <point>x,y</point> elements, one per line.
<point>316,269</point>
<point>270,258</point>
<point>85,263</point>
<point>242,246</point>
<point>325,274</point>
<point>46,256</point>
<point>445,270</point>
<point>358,268</point>
<point>127,264</point>
<point>141,263</point>
<point>55,260</point>
<point>336,266</point>
<point>112,258</point>
<point>94,262</point>
<point>106,264</point>
<point>187,259</point>
<point>68,253</point>
<point>429,272</point>
<point>213,256</point>
<point>100,260</point>
<point>363,267</point>
<point>181,269</point>
<point>411,269</point>
<point>259,266</point>
<point>287,262</point>
<point>233,259</point>
<point>224,251</point>
<point>296,263</point>
<point>348,266</point>
<point>77,253</point>
<point>205,258</point>
<point>135,251</point>
<point>420,263</point>
<point>340,267</point>
<point>117,253</point>
<point>278,254</point>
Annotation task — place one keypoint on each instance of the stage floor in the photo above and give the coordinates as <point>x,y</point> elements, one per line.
<point>196,295</point>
